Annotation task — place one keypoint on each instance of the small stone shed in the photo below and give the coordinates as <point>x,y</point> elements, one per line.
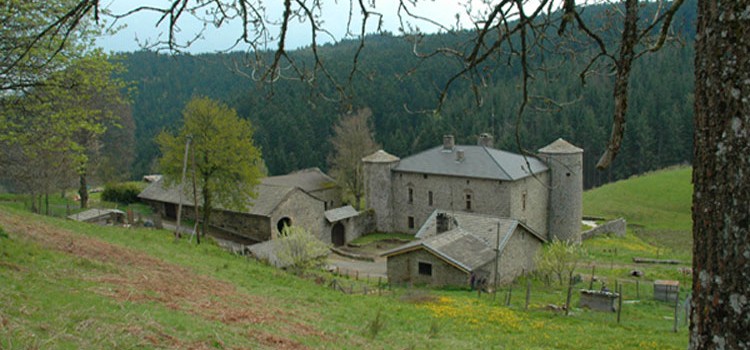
<point>100,216</point>
<point>346,224</point>
<point>454,246</point>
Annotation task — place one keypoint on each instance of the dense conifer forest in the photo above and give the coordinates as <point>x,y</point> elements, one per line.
<point>294,121</point>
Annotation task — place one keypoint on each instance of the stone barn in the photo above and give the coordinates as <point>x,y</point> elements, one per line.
<point>307,198</point>
<point>459,248</point>
<point>299,198</point>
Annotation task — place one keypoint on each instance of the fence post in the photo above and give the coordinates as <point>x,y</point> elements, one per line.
<point>637,289</point>
<point>567,300</point>
<point>676,307</point>
<point>528,294</point>
<point>510,294</point>
<point>619,303</point>
<point>591,282</point>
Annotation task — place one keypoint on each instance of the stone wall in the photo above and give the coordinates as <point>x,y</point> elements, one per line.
<point>404,268</point>
<point>302,210</point>
<point>354,227</point>
<point>534,211</point>
<point>566,195</point>
<point>378,192</point>
<point>490,197</point>
<point>617,226</point>
<point>518,255</point>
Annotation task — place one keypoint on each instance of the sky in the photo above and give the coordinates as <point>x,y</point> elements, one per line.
<point>140,28</point>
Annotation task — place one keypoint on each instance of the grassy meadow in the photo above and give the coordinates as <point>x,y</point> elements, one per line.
<point>68,285</point>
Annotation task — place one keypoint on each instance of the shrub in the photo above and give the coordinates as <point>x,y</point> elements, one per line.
<point>299,250</point>
<point>560,258</point>
<point>123,193</point>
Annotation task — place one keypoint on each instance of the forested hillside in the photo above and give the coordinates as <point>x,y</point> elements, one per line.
<point>294,122</point>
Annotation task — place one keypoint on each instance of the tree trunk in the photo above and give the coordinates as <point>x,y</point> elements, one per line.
<point>83,191</point>
<point>720,316</point>
<point>206,210</point>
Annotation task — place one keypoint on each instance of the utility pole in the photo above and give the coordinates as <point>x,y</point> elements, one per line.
<point>184,169</point>
<point>497,256</point>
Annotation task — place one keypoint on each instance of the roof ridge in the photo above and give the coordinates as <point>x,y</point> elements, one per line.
<point>496,162</point>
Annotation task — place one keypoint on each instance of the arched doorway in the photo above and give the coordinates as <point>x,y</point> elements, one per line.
<point>285,221</point>
<point>338,234</point>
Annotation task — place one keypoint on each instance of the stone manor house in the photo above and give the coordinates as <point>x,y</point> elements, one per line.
<point>473,206</point>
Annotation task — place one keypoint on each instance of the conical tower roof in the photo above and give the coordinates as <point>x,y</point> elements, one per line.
<point>381,157</point>
<point>560,146</point>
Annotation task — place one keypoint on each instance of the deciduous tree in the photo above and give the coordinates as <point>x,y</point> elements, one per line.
<point>351,141</point>
<point>224,159</point>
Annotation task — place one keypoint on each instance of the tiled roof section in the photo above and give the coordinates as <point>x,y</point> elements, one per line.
<point>560,146</point>
<point>478,162</point>
<point>457,246</point>
<point>380,157</point>
<point>339,214</point>
<point>470,241</point>
<point>310,180</point>
<point>94,213</point>
<point>267,198</point>
<point>483,226</point>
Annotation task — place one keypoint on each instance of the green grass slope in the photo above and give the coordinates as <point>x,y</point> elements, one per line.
<point>656,205</point>
<point>68,285</point>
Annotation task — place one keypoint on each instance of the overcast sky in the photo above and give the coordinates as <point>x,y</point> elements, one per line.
<point>141,27</point>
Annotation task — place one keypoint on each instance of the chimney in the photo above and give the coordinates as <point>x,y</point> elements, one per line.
<point>442,223</point>
<point>448,143</point>
<point>460,155</point>
<point>486,140</point>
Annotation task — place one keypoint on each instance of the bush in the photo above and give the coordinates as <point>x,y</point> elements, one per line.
<point>123,193</point>
<point>299,250</point>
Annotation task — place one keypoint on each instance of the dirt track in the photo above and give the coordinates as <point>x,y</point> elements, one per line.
<point>139,277</point>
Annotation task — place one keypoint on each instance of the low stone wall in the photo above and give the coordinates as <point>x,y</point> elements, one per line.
<point>617,226</point>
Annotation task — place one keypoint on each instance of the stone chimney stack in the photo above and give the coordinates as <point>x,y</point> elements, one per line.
<point>448,143</point>
<point>486,140</point>
<point>442,223</point>
<point>460,155</point>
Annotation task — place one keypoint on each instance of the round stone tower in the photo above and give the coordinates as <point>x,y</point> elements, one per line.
<point>378,187</point>
<point>565,162</point>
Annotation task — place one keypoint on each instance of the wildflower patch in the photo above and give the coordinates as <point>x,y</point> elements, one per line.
<point>474,313</point>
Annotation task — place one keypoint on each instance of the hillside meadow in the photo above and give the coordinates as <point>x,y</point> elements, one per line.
<point>68,285</point>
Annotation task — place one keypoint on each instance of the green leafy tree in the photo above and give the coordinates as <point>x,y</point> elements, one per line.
<point>560,258</point>
<point>224,160</point>
<point>55,129</point>
<point>298,250</point>
<point>351,141</point>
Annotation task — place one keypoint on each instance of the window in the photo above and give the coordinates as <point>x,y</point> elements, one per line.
<point>429,198</point>
<point>425,269</point>
<point>468,201</point>
<point>523,201</point>
<point>411,195</point>
<point>411,222</point>
<point>424,176</point>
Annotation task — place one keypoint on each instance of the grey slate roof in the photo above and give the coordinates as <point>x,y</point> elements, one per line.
<point>310,180</point>
<point>458,246</point>
<point>268,197</point>
<point>94,213</point>
<point>478,162</point>
<point>469,243</point>
<point>339,214</point>
<point>560,146</point>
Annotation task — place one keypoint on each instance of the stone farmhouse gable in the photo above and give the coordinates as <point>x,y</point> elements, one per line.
<point>453,247</point>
